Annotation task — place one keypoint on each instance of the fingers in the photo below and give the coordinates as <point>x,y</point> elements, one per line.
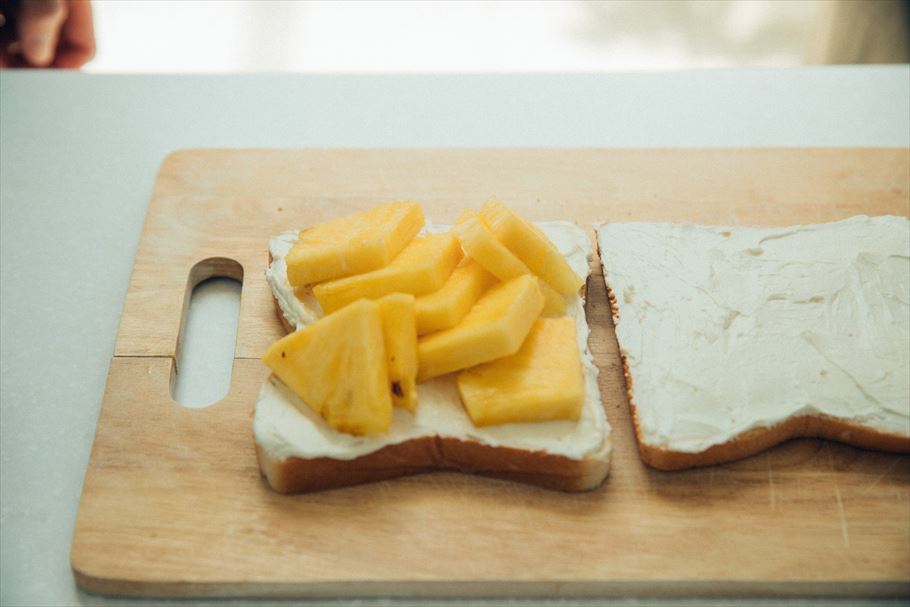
<point>39,24</point>
<point>8,34</point>
<point>77,45</point>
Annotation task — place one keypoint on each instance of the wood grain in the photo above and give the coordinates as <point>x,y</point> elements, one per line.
<point>173,503</point>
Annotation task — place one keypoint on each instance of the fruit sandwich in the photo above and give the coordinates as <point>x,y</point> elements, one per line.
<point>416,347</point>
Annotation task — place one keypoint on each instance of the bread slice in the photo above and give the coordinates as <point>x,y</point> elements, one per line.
<point>422,453</point>
<point>736,339</point>
<point>299,452</point>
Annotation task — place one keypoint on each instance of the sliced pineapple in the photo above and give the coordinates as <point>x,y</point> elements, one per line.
<point>531,246</point>
<point>422,267</point>
<point>399,329</point>
<point>554,304</point>
<point>542,382</point>
<point>481,244</point>
<point>446,307</point>
<point>338,367</point>
<point>495,327</point>
<point>352,245</point>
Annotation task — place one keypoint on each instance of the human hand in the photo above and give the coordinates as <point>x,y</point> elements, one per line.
<point>46,33</point>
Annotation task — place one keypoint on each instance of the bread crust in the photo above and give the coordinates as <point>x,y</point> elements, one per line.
<point>434,453</point>
<point>757,439</point>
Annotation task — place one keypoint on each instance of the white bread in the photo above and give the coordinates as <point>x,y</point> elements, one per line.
<point>298,452</point>
<point>736,339</point>
<point>432,453</point>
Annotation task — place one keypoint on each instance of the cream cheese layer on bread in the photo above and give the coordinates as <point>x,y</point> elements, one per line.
<point>285,427</point>
<point>725,329</point>
<point>300,308</point>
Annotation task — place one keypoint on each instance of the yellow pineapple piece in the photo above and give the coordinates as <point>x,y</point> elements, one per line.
<point>422,267</point>
<point>481,244</point>
<point>446,307</point>
<point>494,327</point>
<point>399,329</point>
<point>338,367</point>
<point>352,245</point>
<point>554,304</point>
<point>542,382</point>
<point>531,246</point>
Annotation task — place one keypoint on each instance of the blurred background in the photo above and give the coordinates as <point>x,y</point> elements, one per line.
<point>493,36</point>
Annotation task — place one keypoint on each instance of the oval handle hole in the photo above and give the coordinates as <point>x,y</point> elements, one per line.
<point>201,373</point>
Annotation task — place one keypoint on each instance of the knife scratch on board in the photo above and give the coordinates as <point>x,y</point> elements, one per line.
<point>843,516</point>
<point>772,497</point>
<point>878,478</point>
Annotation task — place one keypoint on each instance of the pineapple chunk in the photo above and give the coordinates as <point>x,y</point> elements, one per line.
<point>482,245</point>
<point>338,367</point>
<point>531,246</point>
<point>423,266</point>
<point>554,304</point>
<point>399,329</point>
<point>495,327</point>
<point>352,245</point>
<point>446,307</point>
<point>542,382</point>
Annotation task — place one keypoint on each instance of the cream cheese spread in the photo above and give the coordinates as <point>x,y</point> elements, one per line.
<point>729,329</point>
<point>300,308</point>
<point>286,427</point>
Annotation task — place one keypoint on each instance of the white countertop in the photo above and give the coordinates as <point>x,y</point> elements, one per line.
<point>79,153</point>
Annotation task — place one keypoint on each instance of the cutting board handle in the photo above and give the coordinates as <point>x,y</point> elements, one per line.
<point>212,267</point>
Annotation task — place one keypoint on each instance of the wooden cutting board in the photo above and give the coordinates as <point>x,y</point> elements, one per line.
<point>173,503</point>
